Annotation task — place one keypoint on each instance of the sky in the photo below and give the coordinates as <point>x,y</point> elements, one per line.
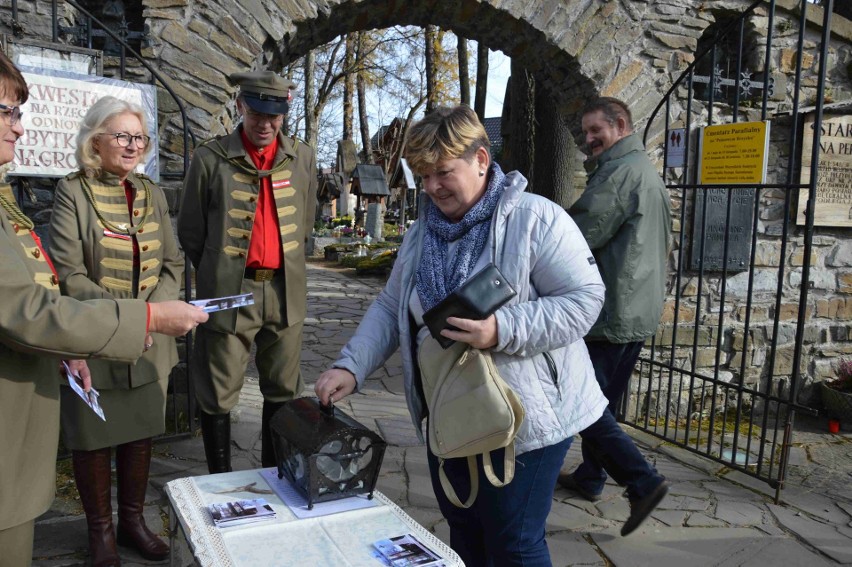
<point>499,69</point>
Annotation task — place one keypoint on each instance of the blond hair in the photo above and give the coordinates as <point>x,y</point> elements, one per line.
<point>94,124</point>
<point>446,133</point>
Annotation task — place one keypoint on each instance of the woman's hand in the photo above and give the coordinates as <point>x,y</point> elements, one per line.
<point>175,318</point>
<point>80,369</point>
<point>334,384</point>
<point>478,334</point>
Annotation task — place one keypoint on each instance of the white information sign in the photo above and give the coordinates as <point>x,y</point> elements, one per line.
<point>676,147</point>
<point>57,103</point>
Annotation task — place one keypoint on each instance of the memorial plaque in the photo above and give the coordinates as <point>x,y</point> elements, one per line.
<point>833,206</point>
<point>737,231</point>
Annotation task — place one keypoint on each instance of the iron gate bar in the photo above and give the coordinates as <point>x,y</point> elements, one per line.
<point>776,396</point>
<point>809,223</point>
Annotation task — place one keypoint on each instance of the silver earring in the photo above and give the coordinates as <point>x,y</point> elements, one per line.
<point>481,173</point>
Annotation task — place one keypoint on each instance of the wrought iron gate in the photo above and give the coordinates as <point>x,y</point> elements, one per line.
<point>180,420</point>
<point>722,376</point>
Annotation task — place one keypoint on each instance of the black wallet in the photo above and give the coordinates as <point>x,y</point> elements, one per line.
<point>481,295</point>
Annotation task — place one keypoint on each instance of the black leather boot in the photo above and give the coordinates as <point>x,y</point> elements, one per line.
<point>92,475</point>
<point>216,432</point>
<point>132,461</point>
<point>267,453</point>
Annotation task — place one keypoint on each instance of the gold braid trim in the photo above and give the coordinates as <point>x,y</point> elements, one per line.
<point>239,163</point>
<point>124,229</point>
<point>16,214</point>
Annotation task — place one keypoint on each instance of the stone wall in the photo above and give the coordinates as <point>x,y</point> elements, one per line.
<point>633,50</point>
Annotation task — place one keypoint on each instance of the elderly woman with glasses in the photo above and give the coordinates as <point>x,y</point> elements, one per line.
<point>111,237</point>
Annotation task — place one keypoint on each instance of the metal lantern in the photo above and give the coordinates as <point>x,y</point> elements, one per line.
<point>324,453</point>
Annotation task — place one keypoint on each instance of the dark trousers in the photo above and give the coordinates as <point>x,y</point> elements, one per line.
<point>606,447</point>
<point>504,526</point>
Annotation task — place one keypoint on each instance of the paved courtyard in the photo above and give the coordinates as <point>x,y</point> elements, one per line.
<point>712,515</point>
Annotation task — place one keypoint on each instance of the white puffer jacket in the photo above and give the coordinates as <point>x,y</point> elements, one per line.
<point>540,351</point>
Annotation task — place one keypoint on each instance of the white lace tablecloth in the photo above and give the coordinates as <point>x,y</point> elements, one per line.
<point>344,539</point>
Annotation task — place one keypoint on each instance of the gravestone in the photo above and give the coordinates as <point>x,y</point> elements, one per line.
<point>375,221</point>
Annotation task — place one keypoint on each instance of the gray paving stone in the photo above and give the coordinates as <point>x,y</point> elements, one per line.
<point>671,518</point>
<point>703,547</point>
<point>824,537</point>
<point>690,489</point>
<point>740,514</point>
<point>571,549</point>
<point>398,431</point>
<point>686,503</point>
<point>699,520</point>
<point>573,518</point>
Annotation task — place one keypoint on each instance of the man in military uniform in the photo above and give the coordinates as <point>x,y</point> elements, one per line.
<point>248,207</point>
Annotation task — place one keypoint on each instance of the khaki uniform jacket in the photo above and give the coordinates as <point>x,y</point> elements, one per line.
<point>95,262</point>
<point>37,327</point>
<point>217,215</point>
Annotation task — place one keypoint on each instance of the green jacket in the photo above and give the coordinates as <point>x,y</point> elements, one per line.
<point>95,262</point>
<point>37,327</point>
<point>217,216</point>
<point>625,215</point>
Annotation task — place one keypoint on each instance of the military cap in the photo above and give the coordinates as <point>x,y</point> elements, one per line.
<point>264,91</point>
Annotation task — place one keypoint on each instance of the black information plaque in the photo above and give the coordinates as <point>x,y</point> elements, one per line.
<point>737,231</point>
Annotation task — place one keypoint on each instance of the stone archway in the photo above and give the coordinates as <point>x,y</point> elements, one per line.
<point>577,47</point>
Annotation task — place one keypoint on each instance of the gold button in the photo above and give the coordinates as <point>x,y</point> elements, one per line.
<point>136,213</point>
<point>54,280</point>
<point>143,287</point>
<point>140,231</point>
<point>145,248</point>
<point>245,237</point>
<point>252,199</point>
<point>242,254</point>
<point>144,268</point>
<point>248,217</point>
<point>37,253</point>
<point>16,228</point>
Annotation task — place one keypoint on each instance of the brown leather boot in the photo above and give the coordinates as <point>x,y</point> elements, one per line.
<point>92,475</point>
<point>132,461</point>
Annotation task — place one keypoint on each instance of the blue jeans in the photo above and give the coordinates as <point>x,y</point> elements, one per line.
<point>504,526</point>
<point>606,447</point>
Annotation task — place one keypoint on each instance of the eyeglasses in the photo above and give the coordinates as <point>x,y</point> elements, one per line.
<point>13,113</point>
<point>262,117</point>
<point>124,139</point>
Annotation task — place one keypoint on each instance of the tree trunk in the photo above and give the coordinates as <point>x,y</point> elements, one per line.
<point>522,121</point>
<point>362,108</point>
<point>481,80</point>
<point>348,87</point>
<point>555,152</point>
<point>310,118</point>
<point>431,69</point>
<point>464,71</point>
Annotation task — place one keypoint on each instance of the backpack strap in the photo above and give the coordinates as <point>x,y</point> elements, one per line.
<point>508,466</point>
<point>508,475</point>
<point>448,487</point>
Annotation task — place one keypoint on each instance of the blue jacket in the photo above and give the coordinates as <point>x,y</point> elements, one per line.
<point>539,353</point>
